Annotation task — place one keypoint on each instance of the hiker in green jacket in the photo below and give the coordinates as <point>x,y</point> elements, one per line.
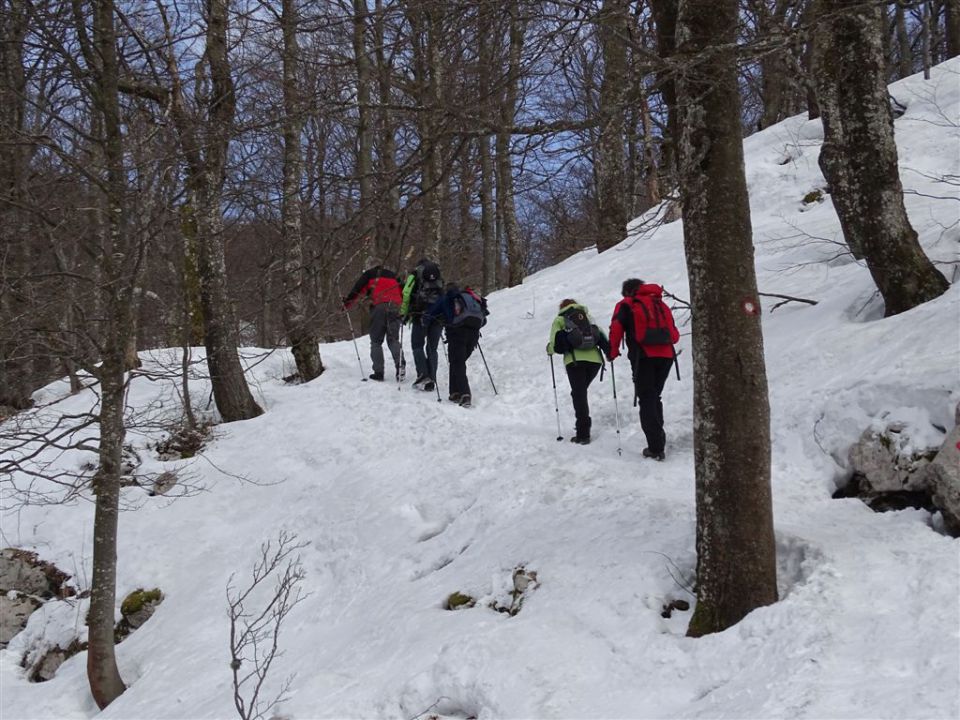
<point>574,335</point>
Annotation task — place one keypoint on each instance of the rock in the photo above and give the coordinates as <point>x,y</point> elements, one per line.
<point>460,601</point>
<point>887,462</point>
<point>138,606</point>
<point>943,478</point>
<point>15,611</point>
<point>25,572</point>
<point>51,661</point>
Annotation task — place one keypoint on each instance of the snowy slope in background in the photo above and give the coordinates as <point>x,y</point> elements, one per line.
<point>404,500</point>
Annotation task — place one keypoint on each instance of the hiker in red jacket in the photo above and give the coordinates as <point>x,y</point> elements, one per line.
<point>646,324</point>
<point>383,289</point>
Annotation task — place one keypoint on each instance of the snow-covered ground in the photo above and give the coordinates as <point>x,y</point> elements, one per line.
<point>404,501</point>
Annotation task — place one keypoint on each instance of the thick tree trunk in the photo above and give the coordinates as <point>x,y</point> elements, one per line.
<point>859,155</point>
<point>736,554</point>
<point>15,340</point>
<point>952,29</point>
<point>613,21</point>
<point>302,339</point>
<point>230,390</point>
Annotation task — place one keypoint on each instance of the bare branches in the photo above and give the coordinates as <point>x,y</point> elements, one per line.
<point>255,632</point>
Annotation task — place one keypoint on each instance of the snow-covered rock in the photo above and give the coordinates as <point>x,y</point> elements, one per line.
<point>888,460</point>
<point>943,477</point>
<point>15,611</point>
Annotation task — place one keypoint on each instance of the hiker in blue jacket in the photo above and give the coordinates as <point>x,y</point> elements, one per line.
<point>463,314</point>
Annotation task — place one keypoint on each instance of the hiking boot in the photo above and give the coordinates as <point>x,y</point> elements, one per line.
<point>428,385</point>
<point>648,453</point>
<point>454,397</point>
<point>378,376</point>
<point>419,380</point>
<point>580,440</point>
<point>465,401</point>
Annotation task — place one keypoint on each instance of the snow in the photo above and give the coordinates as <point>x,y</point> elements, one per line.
<point>404,500</point>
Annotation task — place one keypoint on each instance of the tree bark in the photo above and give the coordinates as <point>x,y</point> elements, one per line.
<point>736,553</point>
<point>207,167</point>
<point>388,193</point>
<point>15,340</point>
<point>506,205</point>
<point>613,25</point>
<point>952,29</point>
<point>364,167</point>
<point>904,51</point>
<point>665,22</point>
<point>115,259</point>
<point>859,155</point>
<point>303,341</point>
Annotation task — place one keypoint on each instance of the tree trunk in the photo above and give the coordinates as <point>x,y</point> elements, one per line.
<point>15,339</point>
<point>508,109</point>
<point>364,166</point>
<point>736,553</point>
<point>613,24</point>
<point>114,259</point>
<point>102,673</point>
<point>952,29</point>
<point>904,51</point>
<point>388,193</point>
<point>303,341</point>
<point>859,155</point>
<point>230,390</point>
<point>665,21</point>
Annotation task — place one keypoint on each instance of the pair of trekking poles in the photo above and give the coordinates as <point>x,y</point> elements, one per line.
<point>556,402</point>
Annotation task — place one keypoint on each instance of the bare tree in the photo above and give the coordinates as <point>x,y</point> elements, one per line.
<point>736,553</point>
<point>859,155</point>
<point>303,341</point>
<point>255,627</point>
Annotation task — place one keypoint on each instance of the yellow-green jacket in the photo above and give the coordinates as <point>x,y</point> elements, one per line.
<point>592,355</point>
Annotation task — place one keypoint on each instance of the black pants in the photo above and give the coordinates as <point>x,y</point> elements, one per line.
<point>461,342</point>
<point>384,321</point>
<point>649,376</point>
<point>581,374</point>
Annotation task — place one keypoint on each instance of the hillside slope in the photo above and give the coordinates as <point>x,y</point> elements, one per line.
<point>405,500</point>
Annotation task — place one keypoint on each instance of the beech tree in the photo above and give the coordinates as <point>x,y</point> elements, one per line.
<point>736,552</point>
<point>859,154</point>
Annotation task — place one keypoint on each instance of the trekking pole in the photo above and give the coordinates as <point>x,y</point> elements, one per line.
<point>488,368</point>
<point>400,360</point>
<point>556,400</point>
<point>616,405</point>
<point>352,335</point>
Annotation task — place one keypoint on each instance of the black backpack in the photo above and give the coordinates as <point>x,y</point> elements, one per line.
<point>469,310</point>
<point>428,287</point>
<point>579,334</point>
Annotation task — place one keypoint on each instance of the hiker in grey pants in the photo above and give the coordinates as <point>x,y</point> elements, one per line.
<point>384,321</point>
<point>382,288</point>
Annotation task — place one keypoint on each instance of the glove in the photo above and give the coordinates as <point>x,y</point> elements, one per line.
<point>548,349</point>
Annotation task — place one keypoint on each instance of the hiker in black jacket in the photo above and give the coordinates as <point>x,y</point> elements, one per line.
<point>463,314</point>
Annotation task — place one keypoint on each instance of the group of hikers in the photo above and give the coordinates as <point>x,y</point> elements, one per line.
<point>641,321</point>
<point>431,308</point>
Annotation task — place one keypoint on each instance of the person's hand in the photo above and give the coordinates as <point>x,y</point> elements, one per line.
<point>548,349</point>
